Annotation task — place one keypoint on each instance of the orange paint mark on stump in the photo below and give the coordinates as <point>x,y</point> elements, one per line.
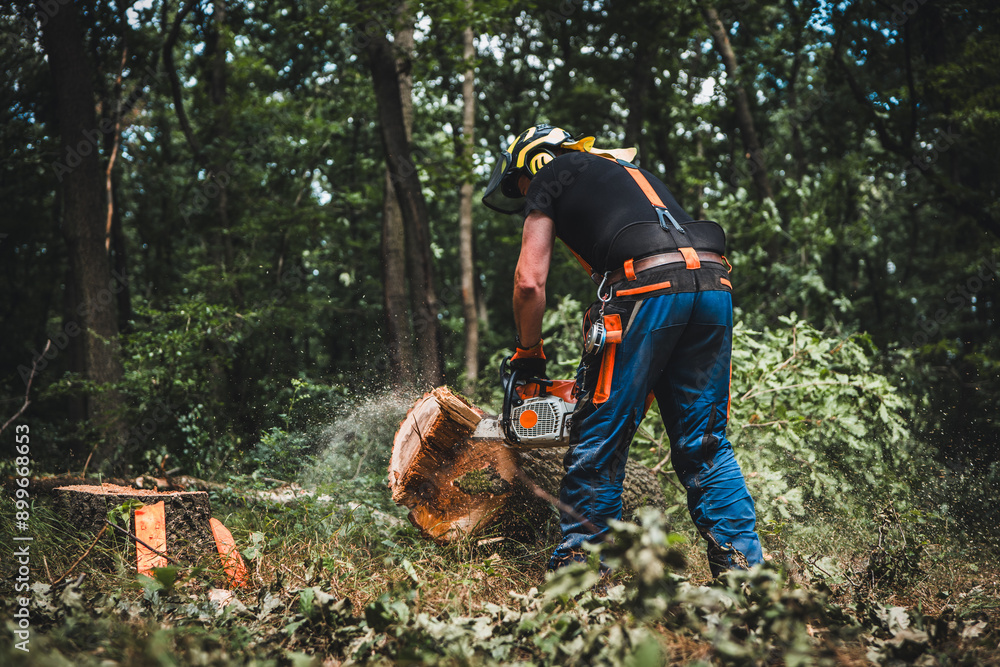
<point>232,562</point>
<point>151,528</point>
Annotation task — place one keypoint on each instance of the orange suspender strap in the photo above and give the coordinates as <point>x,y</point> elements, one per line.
<point>643,183</point>
<point>691,260</point>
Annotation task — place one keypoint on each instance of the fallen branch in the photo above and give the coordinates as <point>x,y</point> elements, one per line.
<point>658,468</point>
<point>555,502</point>
<point>125,532</point>
<point>80,559</point>
<point>31,378</point>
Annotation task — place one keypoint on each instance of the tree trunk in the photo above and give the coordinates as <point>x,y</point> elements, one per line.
<point>83,220</point>
<point>751,143</point>
<point>406,180</point>
<point>399,338</point>
<point>216,46</point>
<point>469,310</point>
<point>636,96</point>
<point>457,487</point>
<point>114,240</point>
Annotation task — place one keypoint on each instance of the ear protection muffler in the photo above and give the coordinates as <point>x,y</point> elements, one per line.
<point>541,158</point>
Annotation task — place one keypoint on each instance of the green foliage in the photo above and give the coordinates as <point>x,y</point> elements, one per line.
<point>645,613</point>
<point>162,582</point>
<point>121,515</point>
<point>821,430</point>
<point>253,343</point>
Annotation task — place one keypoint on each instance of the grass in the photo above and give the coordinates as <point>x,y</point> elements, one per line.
<point>431,598</point>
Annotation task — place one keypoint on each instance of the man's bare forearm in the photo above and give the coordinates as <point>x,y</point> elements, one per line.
<point>532,271</point>
<point>529,306</point>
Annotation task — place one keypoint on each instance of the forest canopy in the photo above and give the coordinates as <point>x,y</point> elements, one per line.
<point>215,211</point>
<point>239,239</point>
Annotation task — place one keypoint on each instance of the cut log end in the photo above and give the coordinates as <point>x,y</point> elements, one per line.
<point>457,487</point>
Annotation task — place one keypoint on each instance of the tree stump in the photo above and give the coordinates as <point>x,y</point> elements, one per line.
<point>189,534</point>
<point>457,487</point>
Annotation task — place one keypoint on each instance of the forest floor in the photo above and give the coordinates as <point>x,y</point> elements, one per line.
<point>351,581</point>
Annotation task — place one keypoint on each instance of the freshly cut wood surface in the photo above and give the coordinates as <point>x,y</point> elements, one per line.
<point>453,486</point>
<point>456,486</point>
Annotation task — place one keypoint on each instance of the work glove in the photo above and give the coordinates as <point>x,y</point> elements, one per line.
<point>529,362</point>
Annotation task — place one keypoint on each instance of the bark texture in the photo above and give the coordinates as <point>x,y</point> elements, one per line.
<point>189,534</point>
<point>465,249</point>
<point>399,337</point>
<point>406,181</point>
<point>751,142</point>
<point>83,220</point>
<point>457,487</point>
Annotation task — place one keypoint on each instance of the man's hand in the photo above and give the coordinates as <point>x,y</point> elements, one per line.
<point>529,361</point>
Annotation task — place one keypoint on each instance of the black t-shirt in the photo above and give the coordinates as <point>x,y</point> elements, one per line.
<point>599,210</point>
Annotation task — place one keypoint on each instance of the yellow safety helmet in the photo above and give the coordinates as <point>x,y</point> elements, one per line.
<point>531,151</point>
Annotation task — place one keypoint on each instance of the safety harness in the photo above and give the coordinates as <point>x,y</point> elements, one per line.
<point>608,328</point>
<point>668,223</point>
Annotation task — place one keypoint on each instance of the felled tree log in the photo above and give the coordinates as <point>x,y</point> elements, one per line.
<point>641,488</point>
<point>452,486</point>
<point>189,534</point>
<point>457,487</point>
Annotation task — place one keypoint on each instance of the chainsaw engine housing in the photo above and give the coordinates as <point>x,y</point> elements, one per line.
<point>543,421</point>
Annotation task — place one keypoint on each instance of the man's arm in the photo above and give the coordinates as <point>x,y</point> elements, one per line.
<point>537,242</point>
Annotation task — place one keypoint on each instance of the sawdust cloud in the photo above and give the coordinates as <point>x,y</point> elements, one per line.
<point>357,441</point>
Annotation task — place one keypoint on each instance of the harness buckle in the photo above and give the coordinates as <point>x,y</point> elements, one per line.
<point>664,215</point>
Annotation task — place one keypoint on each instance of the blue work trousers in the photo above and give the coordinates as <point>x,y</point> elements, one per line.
<point>677,346</point>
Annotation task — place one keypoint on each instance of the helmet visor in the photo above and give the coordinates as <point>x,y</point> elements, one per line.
<point>498,195</point>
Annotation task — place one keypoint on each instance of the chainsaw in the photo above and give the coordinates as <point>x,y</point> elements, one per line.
<point>536,412</point>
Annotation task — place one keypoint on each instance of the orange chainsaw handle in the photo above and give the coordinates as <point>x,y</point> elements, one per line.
<point>513,397</point>
<point>516,389</point>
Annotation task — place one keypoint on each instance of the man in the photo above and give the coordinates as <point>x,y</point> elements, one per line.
<point>664,316</point>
